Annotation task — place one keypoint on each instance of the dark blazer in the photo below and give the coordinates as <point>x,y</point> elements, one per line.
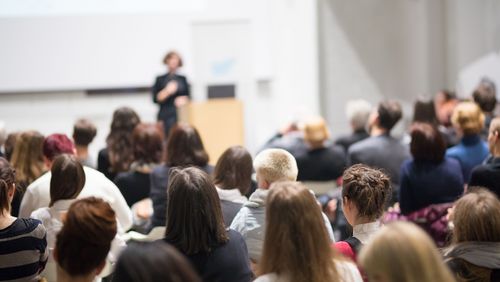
<point>133,185</point>
<point>103,164</point>
<point>229,211</point>
<point>356,136</point>
<point>321,164</point>
<point>487,175</point>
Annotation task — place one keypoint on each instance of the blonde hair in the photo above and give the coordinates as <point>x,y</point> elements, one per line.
<point>468,117</point>
<point>296,242</point>
<point>27,157</point>
<point>316,130</point>
<point>401,251</point>
<point>274,165</point>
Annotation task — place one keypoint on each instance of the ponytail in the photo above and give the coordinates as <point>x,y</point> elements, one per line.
<point>7,180</point>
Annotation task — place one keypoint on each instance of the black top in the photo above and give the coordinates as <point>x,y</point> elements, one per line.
<point>228,262</point>
<point>103,164</point>
<point>134,186</point>
<point>487,175</point>
<point>321,164</point>
<point>167,107</point>
<point>229,211</point>
<point>347,141</point>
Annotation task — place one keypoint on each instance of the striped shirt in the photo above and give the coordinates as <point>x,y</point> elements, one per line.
<point>23,250</point>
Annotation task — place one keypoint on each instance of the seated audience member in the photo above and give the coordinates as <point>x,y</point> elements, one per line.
<point>152,262</point>
<point>271,165</point>
<point>444,103</point>
<point>485,97</point>
<point>118,155</point>
<point>319,161</point>
<point>3,138</point>
<point>296,245</point>
<point>424,111</point>
<point>196,228</point>
<point>382,150</point>
<point>365,192</point>
<point>184,148</point>
<point>430,177</point>
<point>401,251</point>
<point>23,240</point>
<point>9,145</point>
<point>357,111</point>
<point>85,240</point>
<point>233,178</point>
<point>27,160</point>
<point>147,147</point>
<point>474,254</point>
<point>488,175</point>
<point>38,193</point>
<point>84,132</point>
<point>468,120</point>
<point>66,183</point>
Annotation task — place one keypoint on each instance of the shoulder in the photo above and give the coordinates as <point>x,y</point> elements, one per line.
<point>28,226</point>
<point>41,213</point>
<point>269,277</point>
<point>345,249</point>
<point>40,183</point>
<point>348,271</point>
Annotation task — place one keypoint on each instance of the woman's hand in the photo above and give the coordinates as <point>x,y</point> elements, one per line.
<point>167,91</point>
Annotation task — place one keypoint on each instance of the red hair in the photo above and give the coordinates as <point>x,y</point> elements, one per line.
<point>56,144</point>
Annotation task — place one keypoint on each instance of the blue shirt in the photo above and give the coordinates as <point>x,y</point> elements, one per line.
<point>470,152</point>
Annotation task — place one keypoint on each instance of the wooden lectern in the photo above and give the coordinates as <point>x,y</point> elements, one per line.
<point>219,122</point>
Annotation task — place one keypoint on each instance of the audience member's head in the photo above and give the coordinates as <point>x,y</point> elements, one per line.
<point>148,143</point>
<point>272,165</point>
<point>10,144</point>
<point>358,112</point>
<point>27,157</point>
<point>294,225</point>
<point>3,133</point>
<point>494,137</point>
<point>67,180</point>
<point>7,186</point>
<point>316,132</point>
<point>401,251</point>
<point>468,118</point>
<point>365,192</point>
<point>427,144</point>
<point>444,102</point>
<point>56,144</point>
<point>84,132</point>
<point>173,61</point>
<point>387,114</point>
<point>485,96</point>
<point>119,140</point>
<point>234,170</point>
<point>424,111</point>
<point>85,239</point>
<point>185,147</point>
<point>194,215</point>
<point>152,262</point>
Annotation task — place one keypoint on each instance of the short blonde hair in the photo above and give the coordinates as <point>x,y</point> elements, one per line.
<point>468,117</point>
<point>401,251</point>
<point>316,130</point>
<point>274,165</point>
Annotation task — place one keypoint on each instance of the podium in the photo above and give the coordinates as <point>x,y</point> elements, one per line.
<point>219,122</point>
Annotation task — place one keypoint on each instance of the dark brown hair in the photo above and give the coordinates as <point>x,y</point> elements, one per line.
<point>169,56</point>
<point>147,140</point>
<point>152,262</point>
<point>85,239</point>
<point>119,140</point>
<point>234,170</point>
<point>7,181</point>
<point>10,144</point>
<point>67,180</point>
<point>427,143</point>
<point>424,111</point>
<point>368,188</point>
<point>485,95</point>
<point>389,113</point>
<point>184,147</point>
<point>294,225</point>
<point>84,132</point>
<point>194,215</point>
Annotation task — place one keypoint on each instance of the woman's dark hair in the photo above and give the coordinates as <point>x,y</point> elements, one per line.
<point>85,238</point>
<point>67,180</point>
<point>170,55</point>
<point>424,111</point>
<point>234,170</point>
<point>151,262</point>
<point>7,180</point>
<point>184,147</point>
<point>194,215</point>
<point>427,143</point>
<point>147,140</point>
<point>368,188</point>
<point>119,140</point>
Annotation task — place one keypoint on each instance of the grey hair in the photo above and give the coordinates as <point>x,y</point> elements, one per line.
<point>358,111</point>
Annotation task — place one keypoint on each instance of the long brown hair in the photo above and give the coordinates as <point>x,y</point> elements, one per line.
<point>234,170</point>
<point>185,147</point>
<point>67,180</point>
<point>296,241</point>
<point>194,215</point>
<point>7,182</point>
<point>27,158</point>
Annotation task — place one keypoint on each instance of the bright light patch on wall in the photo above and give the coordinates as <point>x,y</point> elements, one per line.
<point>23,8</point>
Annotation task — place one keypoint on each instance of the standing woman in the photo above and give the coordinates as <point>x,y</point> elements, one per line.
<point>170,91</point>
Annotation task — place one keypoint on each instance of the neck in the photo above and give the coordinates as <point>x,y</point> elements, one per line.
<point>495,152</point>
<point>377,131</point>
<point>361,220</point>
<point>82,151</point>
<point>6,219</point>
<point>63,276</point>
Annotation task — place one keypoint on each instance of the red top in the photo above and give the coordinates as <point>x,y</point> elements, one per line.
<point>345,249</point>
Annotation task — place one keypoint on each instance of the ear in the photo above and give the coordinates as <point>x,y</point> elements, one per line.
<point>12,190</point>
<point>48,163</point>
<point>100,267</point>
